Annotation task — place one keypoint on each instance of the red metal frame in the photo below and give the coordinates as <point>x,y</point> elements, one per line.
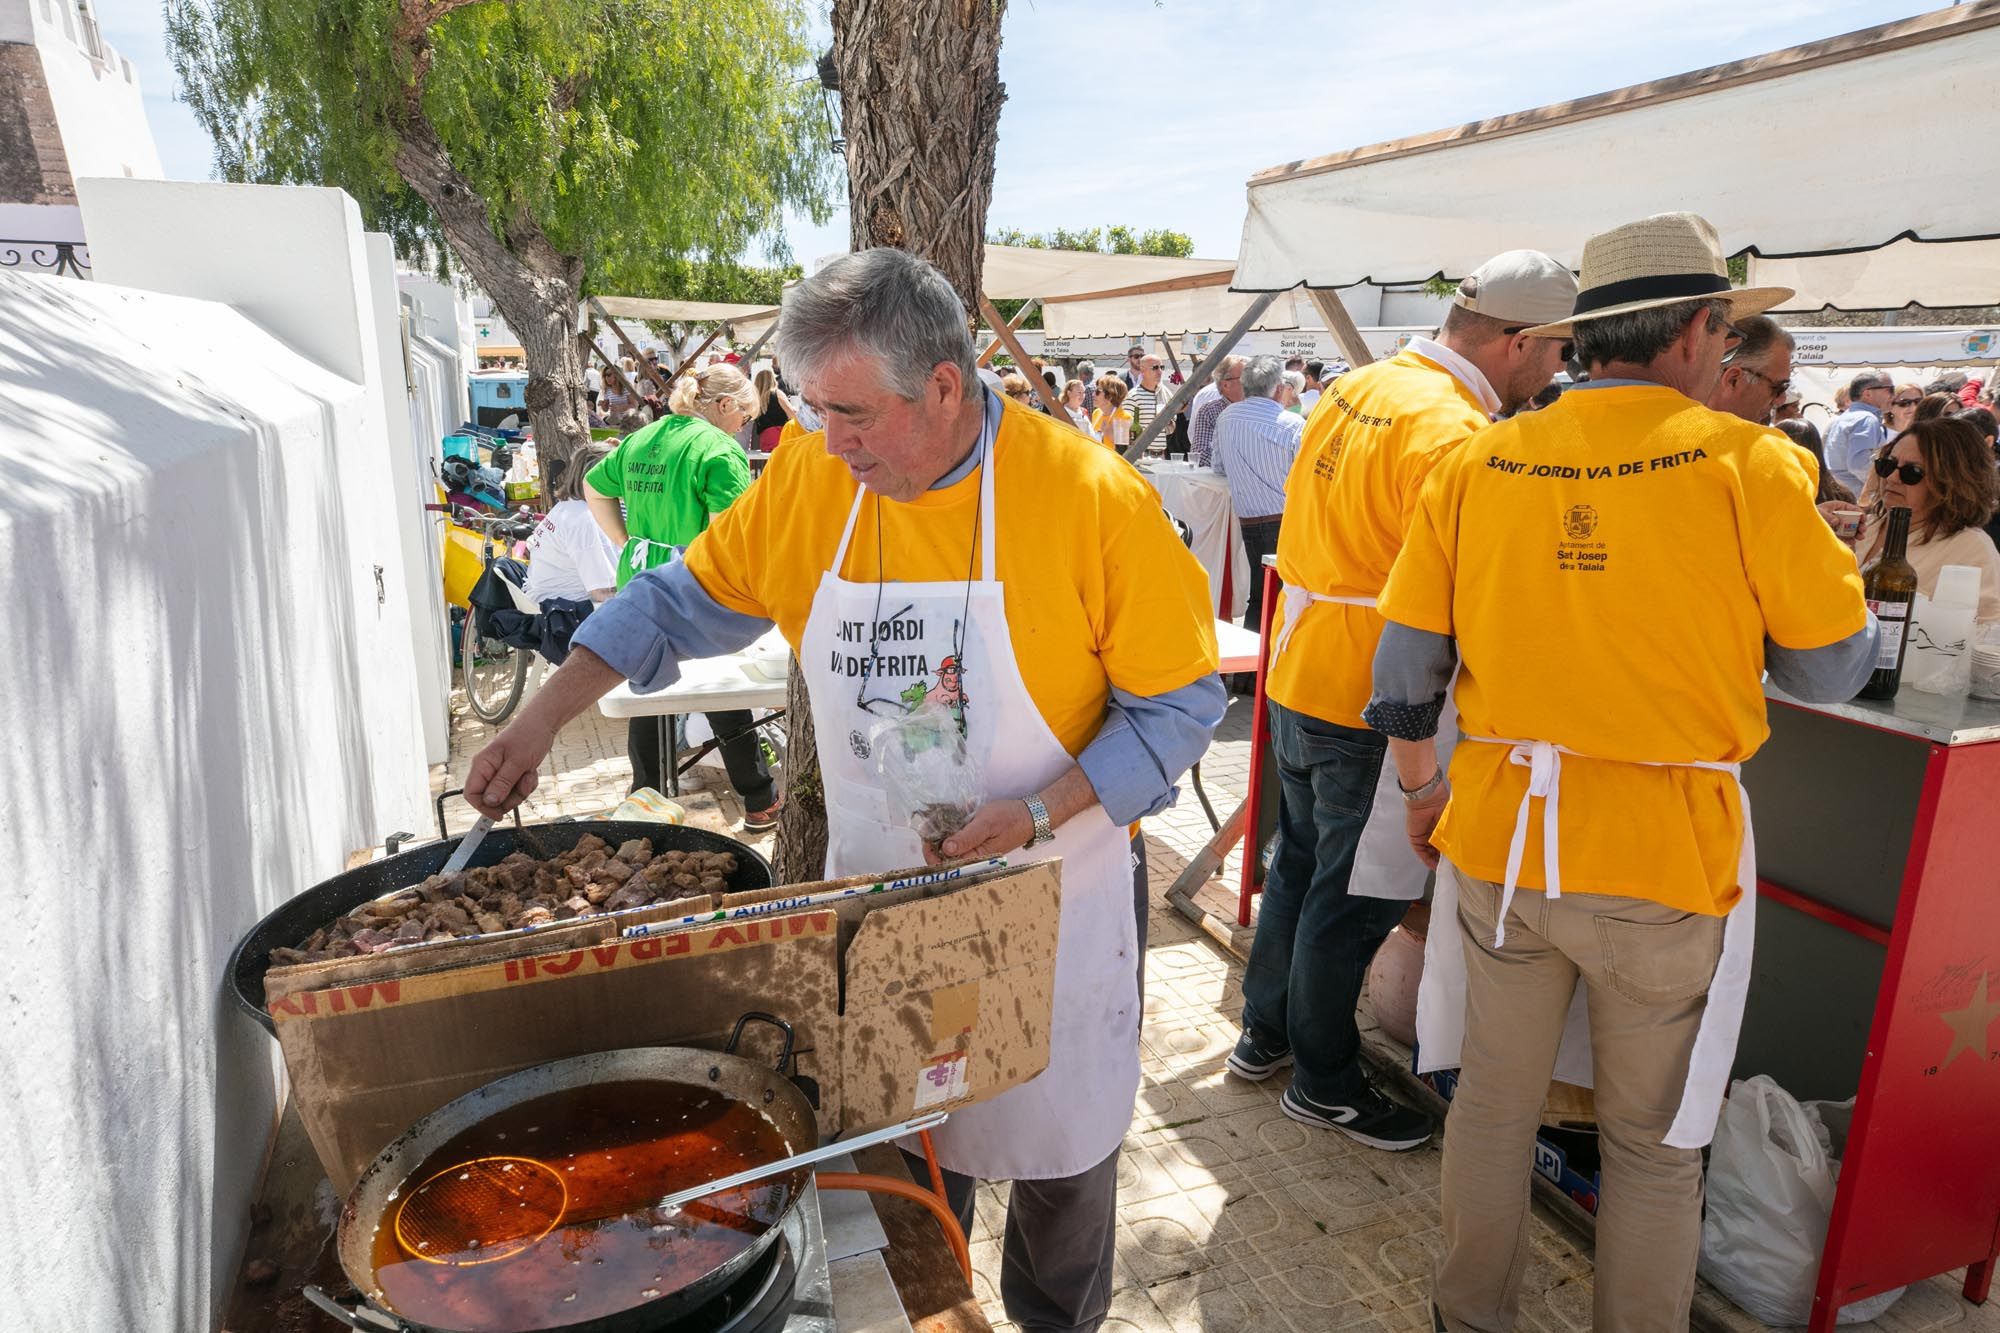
<point>1819,911</point>
<point>1260,737</point>
<point>1919,1190</point>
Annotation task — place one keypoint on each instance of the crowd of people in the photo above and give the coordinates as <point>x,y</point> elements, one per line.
<point>1495,549</point>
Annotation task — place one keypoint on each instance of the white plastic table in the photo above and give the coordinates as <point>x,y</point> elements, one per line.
<point>707,685</point>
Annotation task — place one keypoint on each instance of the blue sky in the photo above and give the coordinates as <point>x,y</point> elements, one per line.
<point>1155,115</point>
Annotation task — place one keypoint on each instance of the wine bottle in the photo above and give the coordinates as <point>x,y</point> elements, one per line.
<point>1890,585</point>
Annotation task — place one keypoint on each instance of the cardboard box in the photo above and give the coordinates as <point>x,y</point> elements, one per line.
<point>922,998</point>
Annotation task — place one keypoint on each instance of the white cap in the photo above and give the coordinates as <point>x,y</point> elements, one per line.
<point>1957,585</point>
<point>1519,287</point>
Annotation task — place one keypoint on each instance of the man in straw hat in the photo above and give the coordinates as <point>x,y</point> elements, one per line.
<point>1611,575</point>
<point>1342,877</point>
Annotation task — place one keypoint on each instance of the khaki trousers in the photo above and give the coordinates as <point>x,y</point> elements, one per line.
<point>1647,970</point>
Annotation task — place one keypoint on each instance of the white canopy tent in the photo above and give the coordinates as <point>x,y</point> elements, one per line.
<point>1551,178</point>
<point>1016,273</point>
<point>1952,273</point>
<point>686,312</point>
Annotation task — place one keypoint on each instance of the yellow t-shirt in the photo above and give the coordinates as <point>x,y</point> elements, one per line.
<point>1098,588</point>
<point>1373,438</point>
<point>1100,425</point>
<point>1611,567</point>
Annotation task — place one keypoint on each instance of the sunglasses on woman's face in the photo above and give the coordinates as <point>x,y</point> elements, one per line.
<point>1911,473</point>
<point>1906,402</point>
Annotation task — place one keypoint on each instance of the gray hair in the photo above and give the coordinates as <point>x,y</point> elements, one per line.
<point>1261,376</point>
<point>883,303</point>
<point>1297,379</point>
<point>1761,334</point>
<point>1639,336</point>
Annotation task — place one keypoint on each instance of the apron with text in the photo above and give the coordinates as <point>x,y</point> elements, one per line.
<point>1441,998</point>
<point>1384,864</point>
<point>1075,1113</point>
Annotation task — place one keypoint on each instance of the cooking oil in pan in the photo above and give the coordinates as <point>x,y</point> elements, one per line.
<point>542,1215</point>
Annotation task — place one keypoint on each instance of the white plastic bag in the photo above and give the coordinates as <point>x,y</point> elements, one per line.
<point>1770,1195</point>
<point>932,784</point>
<point>1939,658</point>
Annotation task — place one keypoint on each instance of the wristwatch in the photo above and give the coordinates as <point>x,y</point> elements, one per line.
<point>1040,814</point>
<point>1417,796</point>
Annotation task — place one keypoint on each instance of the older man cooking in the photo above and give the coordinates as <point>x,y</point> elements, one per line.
<point>933,523</point>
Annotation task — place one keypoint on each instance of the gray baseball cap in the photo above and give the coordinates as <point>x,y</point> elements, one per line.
<point>1519,287</point>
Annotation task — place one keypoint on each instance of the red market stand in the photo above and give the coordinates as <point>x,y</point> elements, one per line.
<point>1877,973</point>
<point>1877,967</point>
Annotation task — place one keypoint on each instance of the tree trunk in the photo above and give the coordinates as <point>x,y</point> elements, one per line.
<point>533,286</point>
<point>920,97</point>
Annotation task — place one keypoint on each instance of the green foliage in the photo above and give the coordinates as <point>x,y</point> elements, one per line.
<point>1739,270</point>
<point>1112,240</point>
<point>1008,308</point>
<point>677,279</point>
<point>632,132</point>
<point>1440,288</point>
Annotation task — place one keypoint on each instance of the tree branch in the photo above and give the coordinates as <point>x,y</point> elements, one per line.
<point>419,16</point>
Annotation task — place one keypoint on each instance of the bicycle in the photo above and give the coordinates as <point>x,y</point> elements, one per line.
<point>492,671</point>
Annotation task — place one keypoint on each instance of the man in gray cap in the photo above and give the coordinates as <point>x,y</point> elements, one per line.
<point>1340,882</point>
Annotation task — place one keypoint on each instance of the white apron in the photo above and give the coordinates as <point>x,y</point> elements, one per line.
<point>1075,1113</point>
<point>1384,864</point>
<point>1441,997</point>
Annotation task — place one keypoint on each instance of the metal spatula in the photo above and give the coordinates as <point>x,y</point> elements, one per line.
<point>467,845</point>
<point>784,1164</point>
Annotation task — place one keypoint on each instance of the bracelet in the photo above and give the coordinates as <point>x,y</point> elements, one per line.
<point>1415,795</point>
<point>1039,813</point>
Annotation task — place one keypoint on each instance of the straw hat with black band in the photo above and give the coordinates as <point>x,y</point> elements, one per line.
<point>1661,260</point>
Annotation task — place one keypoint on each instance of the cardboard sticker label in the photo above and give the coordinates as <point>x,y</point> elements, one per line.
<point>943,1080</point>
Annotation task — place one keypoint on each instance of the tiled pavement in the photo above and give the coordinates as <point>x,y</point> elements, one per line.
<point>1231,1217</point>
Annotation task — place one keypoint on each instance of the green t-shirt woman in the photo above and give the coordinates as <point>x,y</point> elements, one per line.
<point>675,474</point>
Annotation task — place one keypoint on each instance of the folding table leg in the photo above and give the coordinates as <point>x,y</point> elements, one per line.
<point>670,767</point>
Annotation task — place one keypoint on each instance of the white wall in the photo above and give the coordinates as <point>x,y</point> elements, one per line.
<point>189,744</point>
<point>209,708</point>
<point>409,478</point>
<point>95,92</point>
<point>444,315</point>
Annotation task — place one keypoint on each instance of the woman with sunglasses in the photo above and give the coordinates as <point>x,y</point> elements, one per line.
<point>1112,421</point>
<point>1903,408</point>
<point>1942,472</point>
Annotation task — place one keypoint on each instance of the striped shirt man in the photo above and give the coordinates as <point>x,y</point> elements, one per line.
<point>1255,443</point>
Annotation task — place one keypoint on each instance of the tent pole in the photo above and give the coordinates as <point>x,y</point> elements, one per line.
<point>1020,318</point>
<point>630,350</point>
<point>1023,364</point>
<point>1171,358</point>
<point>616,370</point>
<point>706,343</point>
<point>1165,418</point>
<point>758,346</point>
<point>1341,325</point>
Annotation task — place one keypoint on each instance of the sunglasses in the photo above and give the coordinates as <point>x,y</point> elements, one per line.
<point>1777,387</point>
<point>1911,473</point>
<point>1906,402</point>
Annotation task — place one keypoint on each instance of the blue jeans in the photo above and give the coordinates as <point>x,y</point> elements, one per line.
<point>1314,942</point>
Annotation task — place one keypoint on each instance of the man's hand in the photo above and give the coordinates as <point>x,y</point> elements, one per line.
<point>997,828</point>
<point>505,772</point>
<point>1423,817</point>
